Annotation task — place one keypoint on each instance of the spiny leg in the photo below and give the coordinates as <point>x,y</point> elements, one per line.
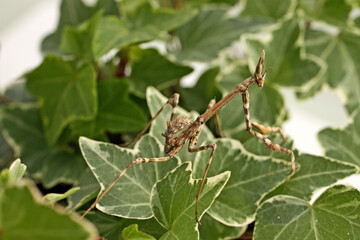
<point>136,161</point>
<point>268,143</point>
<point>173,101</point>
<point>192,148</point>
<point>267,130</point>
<point>211,104</point>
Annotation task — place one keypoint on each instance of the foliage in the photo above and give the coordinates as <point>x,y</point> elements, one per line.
<point>109,67</point>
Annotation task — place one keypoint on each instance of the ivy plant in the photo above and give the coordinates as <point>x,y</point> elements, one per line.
<point>109,67</point>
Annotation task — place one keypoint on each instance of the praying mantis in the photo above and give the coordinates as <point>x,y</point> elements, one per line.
<point>181,130</point>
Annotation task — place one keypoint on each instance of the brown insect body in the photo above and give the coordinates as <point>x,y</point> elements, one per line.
<point>189,130</point>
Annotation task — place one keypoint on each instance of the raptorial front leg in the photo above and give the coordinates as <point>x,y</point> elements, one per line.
<point>192,148</point>
<point>173,101</point>
<point>265,130</point>
<point>136,161</point>
<point>211,104</point>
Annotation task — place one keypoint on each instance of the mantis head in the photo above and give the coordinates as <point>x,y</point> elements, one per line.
<point>259,71</point>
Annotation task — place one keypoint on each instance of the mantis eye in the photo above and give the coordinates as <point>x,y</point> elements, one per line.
<point>260,82</point>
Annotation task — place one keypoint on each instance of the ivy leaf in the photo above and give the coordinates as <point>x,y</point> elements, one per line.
<point>328,11</point>
<point>117,112</point>
<point>143,24</point>
<point>212,229</point>
<point>51,198</point>
<point>16,92</point>
<point>132,233</point>
<point>16,170</point>
<point>150,68</point>
<point>150,20</point>
<point>334,215</point>
<point>155,101</point>
<point>315,172</point>
<point>210,31</point>
<point>13,174</point>
<point>23,217</point>
<point>289,68</point>
<point>173,201</point>
<point>89,189</point>
<point>274,9</point>
<point>72,13</point>
<point>6,153</point>
<point>23,130</point>
<point>357,22</point>
<point>65,94</point>
<point>251,178</point>
<point>77,41</point>
<point>110,227</point>
<point>200,2</point>
<point>266,105</point>
<point>339,53</point>
<point>198,97</point>
<point>343,144</point>
<point>110,7</point>
<point>130,196</point>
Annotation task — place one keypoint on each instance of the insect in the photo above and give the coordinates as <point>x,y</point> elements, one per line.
<point>189,131</point>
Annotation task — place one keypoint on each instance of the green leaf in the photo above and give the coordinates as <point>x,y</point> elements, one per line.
<point>13,174</point>
<point>150,68</point>
<point>16,92</point>
<point>335,12</point>
<point>23,130</point>
<point>65,94</point>
<point>343,144</point>
<point>130,196</point>
<point>150,20</point>
<point>266,105</point>
<point>328,49</point>
<point>212,229</point>
<point>117,112</point>
<point>201,2</point>
<point>209,32</point>
<point>110,7</point>
<point>155,101</point>
<point>357,22</point>
<point>77,41</point>
<point>315,172</point>
<point>274,9</point>
<point>251,178</point>
<point>89,188</point>
<point>55,197</point>
<point>144,24</point>
<point>198,97</point>
<point>6,153</point>
<point>72,13</point>
<point>132,233</point>
<point>173,201</point>
<point>110,227</point>
<point>334,215</point>
<point>282,53</point>
<point>17,171</point>
<point>341,55</point>
<point>23,217</point>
